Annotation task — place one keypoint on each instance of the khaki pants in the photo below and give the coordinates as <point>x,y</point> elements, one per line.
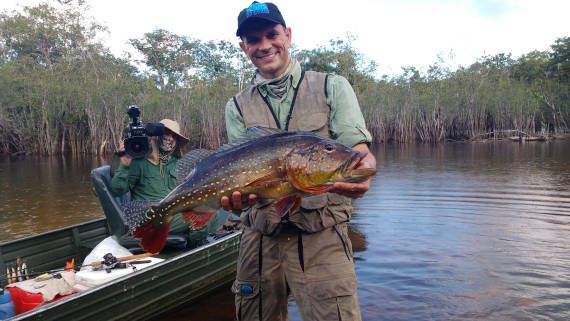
<point>318,269</point>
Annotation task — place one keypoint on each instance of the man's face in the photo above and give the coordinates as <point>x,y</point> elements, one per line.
<point>267,48</point>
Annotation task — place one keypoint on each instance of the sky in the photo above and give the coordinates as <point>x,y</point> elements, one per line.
<point>391,33</point>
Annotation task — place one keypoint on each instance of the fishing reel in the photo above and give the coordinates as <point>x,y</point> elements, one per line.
<point>111,262</point>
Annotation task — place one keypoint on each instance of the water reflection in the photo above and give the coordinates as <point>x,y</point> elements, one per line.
<point>40,194</point>
<point>358,240</point>
<point>447,232</point>
<point>467,231</point>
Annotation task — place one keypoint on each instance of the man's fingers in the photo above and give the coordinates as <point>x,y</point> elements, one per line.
<point>252,198</point>
<point>236,200</point>
<point>352,190</point>
<point>226,205</point>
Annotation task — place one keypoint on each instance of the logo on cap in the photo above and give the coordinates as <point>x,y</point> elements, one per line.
<point>256,8</point>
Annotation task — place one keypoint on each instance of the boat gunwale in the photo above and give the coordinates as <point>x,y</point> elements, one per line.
<point>50,232</point>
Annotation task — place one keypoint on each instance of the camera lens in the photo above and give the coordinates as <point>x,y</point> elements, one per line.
<point>137,147</point>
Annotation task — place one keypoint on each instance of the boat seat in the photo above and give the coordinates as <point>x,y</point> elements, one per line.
<point>101,178</point>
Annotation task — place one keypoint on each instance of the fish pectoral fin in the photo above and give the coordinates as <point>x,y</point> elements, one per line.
<point>265,181</point>
<point>317,189</point>
<point>286,205</point>
<point>198,219</point>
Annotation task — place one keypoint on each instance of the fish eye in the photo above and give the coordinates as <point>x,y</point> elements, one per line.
<point>329,147</point>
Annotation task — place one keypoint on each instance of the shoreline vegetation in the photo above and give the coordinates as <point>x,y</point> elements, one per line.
<point>63,92</point>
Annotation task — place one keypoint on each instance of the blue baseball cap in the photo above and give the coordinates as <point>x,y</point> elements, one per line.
<point>262,11</point>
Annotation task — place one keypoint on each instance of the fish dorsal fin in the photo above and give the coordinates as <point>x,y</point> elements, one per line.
<point>187,163</point>
<point>251,134</point>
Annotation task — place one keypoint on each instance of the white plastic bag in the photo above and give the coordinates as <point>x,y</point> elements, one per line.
<point>108,245</point>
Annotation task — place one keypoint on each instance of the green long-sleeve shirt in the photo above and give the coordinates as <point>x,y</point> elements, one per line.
<point>145,182</point>
<point>346,122</point>
<point>144,179</point>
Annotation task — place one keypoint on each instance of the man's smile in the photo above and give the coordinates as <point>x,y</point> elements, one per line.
<point>267,55</point>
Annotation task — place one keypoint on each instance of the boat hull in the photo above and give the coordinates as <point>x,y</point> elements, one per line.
<point>146,293</point>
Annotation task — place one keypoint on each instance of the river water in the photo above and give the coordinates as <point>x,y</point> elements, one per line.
<point>460,231</point>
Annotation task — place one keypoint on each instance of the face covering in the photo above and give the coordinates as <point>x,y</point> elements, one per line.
<point>165,149</point>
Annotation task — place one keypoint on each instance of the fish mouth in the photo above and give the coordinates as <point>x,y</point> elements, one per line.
<point>348,173</point>
<point>351,163</point>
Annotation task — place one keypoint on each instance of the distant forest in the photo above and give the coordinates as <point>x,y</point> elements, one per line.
<point>64,92</point>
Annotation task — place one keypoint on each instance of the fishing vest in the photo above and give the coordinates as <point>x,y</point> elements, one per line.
<point>309,112</point>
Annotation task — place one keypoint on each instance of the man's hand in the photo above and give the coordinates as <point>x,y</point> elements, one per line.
<point>357,189</point>
<point>125,159</point>
<point>236,203</point>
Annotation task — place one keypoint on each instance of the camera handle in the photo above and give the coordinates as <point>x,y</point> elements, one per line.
<point>134,112</point>
<point>120,153</point>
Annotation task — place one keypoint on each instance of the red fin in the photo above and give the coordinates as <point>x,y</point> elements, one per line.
<point>198,219</point>
<point>152,238</point>
<point>286,204</point>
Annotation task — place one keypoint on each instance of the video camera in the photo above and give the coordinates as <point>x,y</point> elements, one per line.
<point>136,141</point>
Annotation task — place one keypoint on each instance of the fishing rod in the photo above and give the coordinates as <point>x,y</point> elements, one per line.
<point>108,263</point>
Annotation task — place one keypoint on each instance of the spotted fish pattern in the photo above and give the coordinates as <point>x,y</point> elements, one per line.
<point>274,164</point>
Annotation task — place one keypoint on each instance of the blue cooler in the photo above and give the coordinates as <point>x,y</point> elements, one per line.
<point>6,306</point>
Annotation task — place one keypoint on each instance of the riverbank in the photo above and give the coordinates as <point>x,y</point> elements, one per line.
<point>516,136</point>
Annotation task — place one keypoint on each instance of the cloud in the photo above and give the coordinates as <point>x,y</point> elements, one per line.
<point>494,9</point>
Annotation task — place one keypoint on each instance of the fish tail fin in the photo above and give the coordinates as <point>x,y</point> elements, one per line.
<point>198,219</point>
<point>152,237</point>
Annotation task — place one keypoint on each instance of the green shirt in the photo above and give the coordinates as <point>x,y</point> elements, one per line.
<point>346,122</point>
<point>145,180</point>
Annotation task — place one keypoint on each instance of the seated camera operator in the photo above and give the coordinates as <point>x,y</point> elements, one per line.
<point>153,177</point>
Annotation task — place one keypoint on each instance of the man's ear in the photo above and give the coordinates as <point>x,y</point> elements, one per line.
<point>243,47</point>
<point>288,34</point>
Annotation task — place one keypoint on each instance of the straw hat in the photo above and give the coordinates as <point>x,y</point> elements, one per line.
<point>175,128</point>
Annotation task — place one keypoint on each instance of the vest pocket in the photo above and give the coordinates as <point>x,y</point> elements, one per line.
<point>263,218</point>
<point>314,202</point>
<point>311,122</point>
<point>322,211</point>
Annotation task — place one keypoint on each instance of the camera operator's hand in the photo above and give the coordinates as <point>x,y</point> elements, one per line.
<point>125,159</point>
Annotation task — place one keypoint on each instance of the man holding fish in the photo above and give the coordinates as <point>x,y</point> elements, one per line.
<point>297,157</point>
<point>297,245</point>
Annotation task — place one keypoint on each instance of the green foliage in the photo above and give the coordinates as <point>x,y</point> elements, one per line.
<point>63,91</point>
<point>341,59</point>
<point>168,55</point>
<point>560,59</point>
